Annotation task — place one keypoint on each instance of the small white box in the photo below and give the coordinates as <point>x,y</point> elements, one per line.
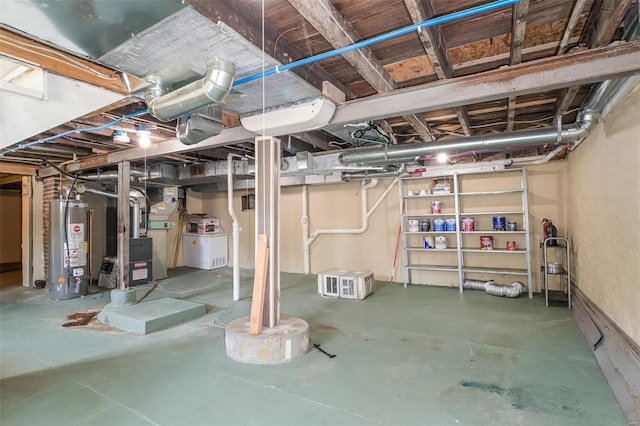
<point>205,251</point>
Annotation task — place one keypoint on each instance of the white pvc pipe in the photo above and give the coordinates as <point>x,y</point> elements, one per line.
<point>236,230</point>
<point>305,229</point>
<point>366,213</point>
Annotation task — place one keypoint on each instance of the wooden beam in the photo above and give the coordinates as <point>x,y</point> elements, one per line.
<point>519,28</point>
<point>62,63</point>
<point>571,25</point>
<point>5,180</point>
<point>326,19</point>
<point>421,126</point>
<point>604,20</point>
<point>564,101</point>
<point>17,169</point>
<point>532,77</point>
<point>246,23</point>
<point>436,50</point>
<point>313,138</point>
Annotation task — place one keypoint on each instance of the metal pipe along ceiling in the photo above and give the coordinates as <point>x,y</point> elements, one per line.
<point>214,87</point>
<point>601,98</point>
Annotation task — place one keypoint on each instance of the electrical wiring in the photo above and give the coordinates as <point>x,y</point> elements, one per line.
<point>69,175</point>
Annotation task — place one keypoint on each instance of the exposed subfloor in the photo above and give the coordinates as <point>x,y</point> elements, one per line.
<point>415,356</point>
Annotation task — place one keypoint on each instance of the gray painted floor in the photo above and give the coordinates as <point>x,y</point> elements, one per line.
<point>416,356</point>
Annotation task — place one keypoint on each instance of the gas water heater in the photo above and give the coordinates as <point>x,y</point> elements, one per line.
<point>68,249</point>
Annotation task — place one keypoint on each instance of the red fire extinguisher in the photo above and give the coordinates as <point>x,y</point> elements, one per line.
<point>549,230</point>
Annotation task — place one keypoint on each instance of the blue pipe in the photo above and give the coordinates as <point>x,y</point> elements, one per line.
<point>71,132</point>
<point>383,37</point>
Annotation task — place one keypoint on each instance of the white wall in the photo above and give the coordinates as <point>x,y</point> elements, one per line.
<point>604,212</point>
<point>338,206</point>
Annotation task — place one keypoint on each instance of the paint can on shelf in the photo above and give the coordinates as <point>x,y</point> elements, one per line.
<point>436,207</point>
<point>512,226</point>
<point>424,225</point>
<point>511,245</point>
<point>441,242</point>
<point>438,225</point>
<point>450,224</point>
<point>428,242</point>
<point>499,223</point>
<point>468,224</point>
<point>486,242</point>
<point>413,225</point>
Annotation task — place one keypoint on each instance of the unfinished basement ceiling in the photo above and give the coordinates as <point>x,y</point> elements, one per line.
<point>181,37</point>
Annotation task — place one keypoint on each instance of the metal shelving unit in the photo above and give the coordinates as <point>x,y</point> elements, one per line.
<point>413,255</point>
<point>563,272</point>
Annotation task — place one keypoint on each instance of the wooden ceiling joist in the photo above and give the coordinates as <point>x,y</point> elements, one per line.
<point>326,19</point>
<point>519,28</point>
<point>436,50</point>
<point>16,169</point>
<point>571,25</point>
<point>533,77</point>
<point>603,22</point>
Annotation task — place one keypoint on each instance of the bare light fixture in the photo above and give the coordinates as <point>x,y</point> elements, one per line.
<point>442,157</point>
<point>121,136</point>
<point>143,136</point>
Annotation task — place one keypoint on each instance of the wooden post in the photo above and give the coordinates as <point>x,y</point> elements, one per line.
<point>259,286</point>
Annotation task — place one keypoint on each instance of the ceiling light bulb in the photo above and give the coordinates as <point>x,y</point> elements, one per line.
<point>143,136</point>
<point>442,157</point>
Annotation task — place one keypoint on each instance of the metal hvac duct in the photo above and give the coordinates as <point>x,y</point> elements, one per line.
<point>214,87</point>
<point>201,125</point>
<point>135,173</point>
<point>133,202</point>
<point>589,116</point>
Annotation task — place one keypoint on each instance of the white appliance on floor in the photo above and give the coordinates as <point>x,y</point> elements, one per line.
<point>346,284</point>
<point>205,251</point>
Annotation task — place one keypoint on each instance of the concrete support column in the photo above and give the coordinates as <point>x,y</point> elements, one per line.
<point>124,171</point>
<point>268,220</point>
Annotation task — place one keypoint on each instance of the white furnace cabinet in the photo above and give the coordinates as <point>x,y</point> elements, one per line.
<point>205,251</point>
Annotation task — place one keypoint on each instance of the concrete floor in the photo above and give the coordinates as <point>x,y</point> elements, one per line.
<point>415,356</point>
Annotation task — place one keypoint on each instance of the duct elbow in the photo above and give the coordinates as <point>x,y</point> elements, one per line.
<point>213,88</point>
<point>201,125</point>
